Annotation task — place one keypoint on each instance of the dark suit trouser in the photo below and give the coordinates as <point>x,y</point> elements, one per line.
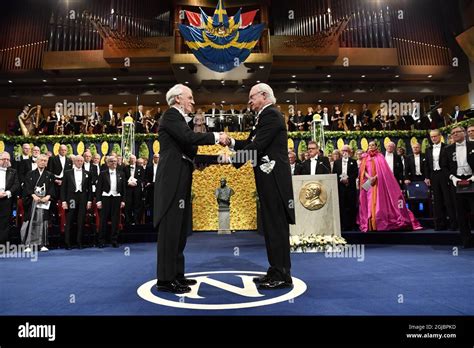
<point>133,204</point>
<point>275,226</point>
<point>347,206</point>
<point>150,201</point>
<point>76,214</point>
<point>443,204</point>
<point>110,211</point>
<point>173,229</point>
<point>5,217</point>
<point>465,206</point>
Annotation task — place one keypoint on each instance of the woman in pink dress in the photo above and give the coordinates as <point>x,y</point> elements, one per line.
<point>382,206</point>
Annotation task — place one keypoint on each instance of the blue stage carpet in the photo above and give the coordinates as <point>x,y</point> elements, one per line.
<point>390,280</point>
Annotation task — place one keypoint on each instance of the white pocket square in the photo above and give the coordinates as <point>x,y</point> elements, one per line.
<point>268,165</point>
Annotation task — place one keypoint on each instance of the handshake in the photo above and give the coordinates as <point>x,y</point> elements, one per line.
<point>224,139</point>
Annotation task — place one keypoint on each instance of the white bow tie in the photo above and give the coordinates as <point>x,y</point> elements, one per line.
<point>462,144</point>
<point>3,169</point>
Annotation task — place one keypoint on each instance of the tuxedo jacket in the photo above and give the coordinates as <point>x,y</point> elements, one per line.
<point>322,167</point>
<point>410,167</point>
<point>352,171</point>
<point>178,147</point>
<point>269,138</point>
<point>103,184</point>
<point>397,166</point>
<point>106,118</point>
<point>24,166</point>
<point>68,187</point>
<point>449,161</point>
<point>94,172</point>
<point>55,167</point>
<point>429,160</point>
<point>12,183</point>
<point>139,174</point>
<point>149,173</point>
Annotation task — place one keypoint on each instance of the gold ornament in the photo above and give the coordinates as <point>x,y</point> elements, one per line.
<point>313,195</point>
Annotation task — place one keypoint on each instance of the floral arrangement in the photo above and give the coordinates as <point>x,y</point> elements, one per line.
<point>315,242</point>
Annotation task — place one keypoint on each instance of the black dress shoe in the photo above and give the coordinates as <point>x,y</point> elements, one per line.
<point>174,287</point>
<point>262,279</point>
<point>274,284</point>
<point>68,247</point>
<point>80,246</point>
<point>100,246</point>
<point>115,245</point>
<point>186,281</point>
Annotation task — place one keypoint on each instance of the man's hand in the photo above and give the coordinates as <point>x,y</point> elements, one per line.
<point>224,139</point>
<point>407,182</point>
<point>132,183</point>
<point>455,181</point>
<point>428,182</point>
<point>99,205</point>
<point>3,194</point>
<point>36,198</point>
<point>122,204</point>
<point>89,205</point>
<point>64,205</point>
<point>58,182</point>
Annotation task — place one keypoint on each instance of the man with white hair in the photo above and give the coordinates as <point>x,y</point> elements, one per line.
<point>9,185</point>
<point>27,165</point>
<point>394,161</point>
<point>76,197</point>
<point>172,196</point>
<point>274,186</point>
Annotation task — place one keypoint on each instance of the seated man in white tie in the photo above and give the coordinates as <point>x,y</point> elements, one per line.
<point>76,197</point>
<point>315,164</point>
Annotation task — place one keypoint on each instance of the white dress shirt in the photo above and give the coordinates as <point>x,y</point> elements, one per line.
<point>113,185</point>
<point>87,166</point>
<point>293,166</point>
<point>314,163</point>
<point>345,162</point>
<point>155,167</point>
<point>461,159</point>
<point>436,153</point>
<point>417,164</point>
<point>3,182</point>
<point>389,159</point>
<point>78,179</point>
<point>62,159</point>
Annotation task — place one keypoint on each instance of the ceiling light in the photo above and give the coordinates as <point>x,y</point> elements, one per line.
<point>115,79</point>
<point>45,81</point>
<point>328,76</point>
<point>124,103</point>
<point>293,76</point>
<point>362,76</point>
<point>79,80</point>
<point>397,76</point>
<point>150,78</point>
<point>261,67</point>
<point>430,76</point>
<point>10,81</point>
<point>182,68</point>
